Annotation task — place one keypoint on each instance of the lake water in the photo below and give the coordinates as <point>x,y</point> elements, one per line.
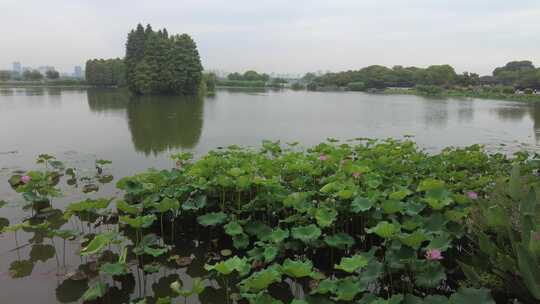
<point>79,126</point>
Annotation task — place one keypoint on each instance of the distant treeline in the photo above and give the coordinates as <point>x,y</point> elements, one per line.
<point>517,74</point>
<point>248,76</point>
<point>28,75</point>
<point>109,72</point>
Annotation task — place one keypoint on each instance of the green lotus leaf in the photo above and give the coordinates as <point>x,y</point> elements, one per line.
<point>385,229</point>
<point>99,242</point>
<point>278,235</point>
<point>113,269</point>
<point>340,240</point>
<point>326,286</point>
<point>352,264</point>
<point>42,252</point>
<point>270,253</point>
<point>127,208</point>
<point>198,285</point>
<point>138,221</point>
<point>212,219</point>
<point>414,239</point>
<point>392,206</point>
<point>347,289</point>
<point>361,204</point>
<point>261,280</point>
<point>297,301</point>
<point>155,252</point>
<point>325,216</point>
<point>429,275</point>
<point>258,229</point>
<point>228,266</point>
<point>196,203</point>
<point>95,291</point>
<point>297,269</point>
<point>20,269</point>
<point>176,286</point>
<point>400,195</point>
<point>345,194</point>
<point>306,233</point>
<point>471,295</point>
<point>240,241</point>
<point>168,204</point>
<point>233,228</point>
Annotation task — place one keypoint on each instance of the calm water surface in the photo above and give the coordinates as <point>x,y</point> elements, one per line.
<point>79,126</point>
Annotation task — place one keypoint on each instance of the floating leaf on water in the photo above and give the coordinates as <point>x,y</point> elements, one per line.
<point>20,269</point>
<point>87,188</point>
<point>41,252</point>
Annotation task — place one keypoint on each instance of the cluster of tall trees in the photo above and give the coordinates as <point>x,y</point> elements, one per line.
<point>519,74</point>
<point>248,76</point>
<point>106,72</point>
<point>157,63</point>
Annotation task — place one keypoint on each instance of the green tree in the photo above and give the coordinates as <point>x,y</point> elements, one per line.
<point>52,74</point>
<point>5,75</point>
<point>32,75</point>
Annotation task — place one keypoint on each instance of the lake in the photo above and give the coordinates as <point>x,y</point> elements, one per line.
<point>135,133</point>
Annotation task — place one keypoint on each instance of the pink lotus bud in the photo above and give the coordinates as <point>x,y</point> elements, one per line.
<point>434,255</point>
<point>472,195</point>
<point>356,174</point>
<point>25,179</point>
<point>323,157</point>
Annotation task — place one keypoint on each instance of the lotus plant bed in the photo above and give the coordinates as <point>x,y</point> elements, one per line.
<point>363,221</point>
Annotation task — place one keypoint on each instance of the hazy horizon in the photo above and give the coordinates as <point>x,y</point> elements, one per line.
<point>280,36</point>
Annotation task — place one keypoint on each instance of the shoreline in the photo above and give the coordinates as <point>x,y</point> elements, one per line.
<point>458,94</point>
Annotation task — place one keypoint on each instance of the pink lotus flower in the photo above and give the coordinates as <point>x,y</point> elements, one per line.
<point>356,174</point>
<point>472,195</point>
<point>434,255</point>
<point>323,157</point>
<point>25,179</point>
<point>178,165</point>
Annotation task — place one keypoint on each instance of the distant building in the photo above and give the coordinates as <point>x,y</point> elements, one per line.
<point>44,69</point>
<point>78,72</point>
<point>24,69</point>
<point>17,69</point>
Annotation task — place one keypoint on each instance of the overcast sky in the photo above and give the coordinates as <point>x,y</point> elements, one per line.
<point>280,36</point>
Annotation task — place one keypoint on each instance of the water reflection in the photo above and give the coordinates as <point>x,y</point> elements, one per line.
<point>156,123</point>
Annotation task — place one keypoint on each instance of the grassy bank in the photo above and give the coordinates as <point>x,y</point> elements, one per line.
<point>468,94</point>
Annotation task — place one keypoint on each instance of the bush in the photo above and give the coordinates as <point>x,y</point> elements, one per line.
<point>508,90</point>
<point>298,86</point>
<point>312,86</point>
<point>429,90</point>
<point>528,91</point>
<point>356,86</point>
